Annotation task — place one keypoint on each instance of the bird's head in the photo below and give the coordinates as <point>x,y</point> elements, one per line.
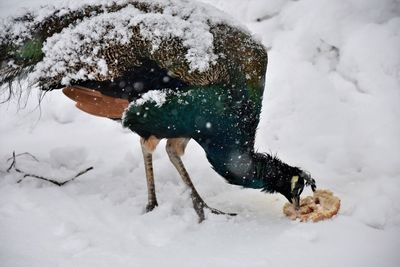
<point>292,184</point>
<point>279,177</point>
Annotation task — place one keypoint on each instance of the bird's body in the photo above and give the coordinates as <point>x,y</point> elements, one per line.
<point>168,69</point>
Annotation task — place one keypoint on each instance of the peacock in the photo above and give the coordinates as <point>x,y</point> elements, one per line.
<point>171,69</point>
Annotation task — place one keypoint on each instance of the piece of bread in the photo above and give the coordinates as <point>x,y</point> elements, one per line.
<point>321,206</point>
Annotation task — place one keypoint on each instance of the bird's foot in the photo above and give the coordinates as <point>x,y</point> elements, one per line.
<point>199,206</point>
<point>151,205</point>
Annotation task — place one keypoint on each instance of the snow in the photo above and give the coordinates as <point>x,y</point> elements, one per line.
<point>154,96</point>
<point>331,107</point>
<point>158,97</point>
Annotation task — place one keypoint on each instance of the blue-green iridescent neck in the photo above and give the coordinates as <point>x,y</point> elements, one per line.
<point>247,168</point>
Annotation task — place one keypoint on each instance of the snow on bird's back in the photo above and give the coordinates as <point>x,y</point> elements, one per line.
<point>154,96</point>
<point>77,52</point>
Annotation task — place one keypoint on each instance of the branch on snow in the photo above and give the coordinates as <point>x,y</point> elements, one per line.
<point>53,181</point>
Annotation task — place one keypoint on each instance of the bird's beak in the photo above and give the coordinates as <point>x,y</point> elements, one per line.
<point>296,202</point>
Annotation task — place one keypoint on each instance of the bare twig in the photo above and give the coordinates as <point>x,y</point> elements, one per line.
<point>13,163</point>
<point>22,154</point>
<point>53,181</point>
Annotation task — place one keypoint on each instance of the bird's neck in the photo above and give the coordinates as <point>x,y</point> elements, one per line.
<point>244,167</point>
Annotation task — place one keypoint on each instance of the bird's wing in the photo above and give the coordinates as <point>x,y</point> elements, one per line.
<point>133,83</point>
<point>96,103</point>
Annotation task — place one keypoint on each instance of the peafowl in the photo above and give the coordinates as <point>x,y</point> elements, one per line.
<point>173,69</point>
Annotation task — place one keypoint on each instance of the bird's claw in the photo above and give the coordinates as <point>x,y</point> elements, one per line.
<point>151,206</point>
<point>215,211</point>
<point>199,206</point>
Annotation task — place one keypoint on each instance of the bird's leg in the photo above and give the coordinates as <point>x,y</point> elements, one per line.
<point>175,149</point>
<point>148,147</point>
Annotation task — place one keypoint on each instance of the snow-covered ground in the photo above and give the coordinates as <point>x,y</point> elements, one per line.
<point>332,106</point>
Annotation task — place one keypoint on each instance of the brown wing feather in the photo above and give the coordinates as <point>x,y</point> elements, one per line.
<point>95,103</point>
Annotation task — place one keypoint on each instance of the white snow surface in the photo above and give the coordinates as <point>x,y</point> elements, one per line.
<point>332,106</point>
